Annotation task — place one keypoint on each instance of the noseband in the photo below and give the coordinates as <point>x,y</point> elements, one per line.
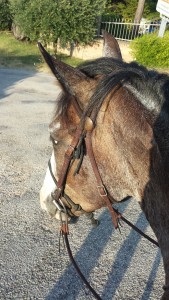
<point>69,208</point>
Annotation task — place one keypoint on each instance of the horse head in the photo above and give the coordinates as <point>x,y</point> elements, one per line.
<point>77,88</point>
<point>127,108</point>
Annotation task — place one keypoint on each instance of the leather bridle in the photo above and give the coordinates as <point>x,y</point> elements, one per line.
<point>83,134</point>
<point>62,201</point>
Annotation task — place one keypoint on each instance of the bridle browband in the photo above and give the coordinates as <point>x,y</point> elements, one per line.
<point>62,201</point>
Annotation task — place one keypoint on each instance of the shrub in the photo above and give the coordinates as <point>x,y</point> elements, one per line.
<point>151,50</point>
<point>73,22</point>
<point>5,15</point>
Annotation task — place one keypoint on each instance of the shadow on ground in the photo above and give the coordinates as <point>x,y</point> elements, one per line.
<point>97,242</point>
<point>9,77</point>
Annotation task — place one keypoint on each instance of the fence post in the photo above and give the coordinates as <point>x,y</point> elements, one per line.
<point>163,26</point>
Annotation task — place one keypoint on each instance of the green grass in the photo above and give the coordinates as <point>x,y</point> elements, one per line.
<point>17,54</point>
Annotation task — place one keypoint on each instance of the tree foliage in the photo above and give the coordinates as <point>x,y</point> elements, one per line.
<point>36,18</point>
<point>72,21</point>
<point>127,8</point>
<point>5,15</point>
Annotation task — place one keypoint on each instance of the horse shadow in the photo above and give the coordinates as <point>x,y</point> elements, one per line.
<point>69,280</point>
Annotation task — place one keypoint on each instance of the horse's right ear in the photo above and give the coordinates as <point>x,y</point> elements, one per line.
<point>111,47</point>
<point>72,80</point>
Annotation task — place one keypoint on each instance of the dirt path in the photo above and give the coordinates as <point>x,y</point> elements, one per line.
<point>95,51</point>
<point>122,267</point>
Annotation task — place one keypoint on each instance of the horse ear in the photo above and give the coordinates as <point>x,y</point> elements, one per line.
<point>72,80</point>
<point>111,47</point>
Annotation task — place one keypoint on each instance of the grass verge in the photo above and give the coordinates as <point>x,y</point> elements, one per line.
<point>17,54</point>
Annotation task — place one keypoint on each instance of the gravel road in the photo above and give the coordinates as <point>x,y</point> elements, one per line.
<point>123,267</point>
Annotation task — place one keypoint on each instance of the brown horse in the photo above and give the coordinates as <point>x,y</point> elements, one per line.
<point>130,137</point>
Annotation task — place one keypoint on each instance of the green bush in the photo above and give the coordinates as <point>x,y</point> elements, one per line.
<point>151,50</point>
<point>5,15</point>
<point>73,22</point>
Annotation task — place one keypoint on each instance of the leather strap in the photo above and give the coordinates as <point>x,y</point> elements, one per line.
<point>66,163</point>
<point>100,185</point>
<point>88,129</point>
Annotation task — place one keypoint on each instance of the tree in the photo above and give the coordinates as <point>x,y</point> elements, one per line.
<point>5,15</point>
<point>139,11</point>
<point>71,21</point>
<point>127,8</point>
<point>36,19</point>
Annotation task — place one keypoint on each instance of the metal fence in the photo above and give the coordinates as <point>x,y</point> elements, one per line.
<point>128,31</point>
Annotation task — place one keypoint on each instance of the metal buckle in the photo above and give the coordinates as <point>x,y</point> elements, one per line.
<point>60,205</point>
<point>62,210</point>
<point>104,190</point>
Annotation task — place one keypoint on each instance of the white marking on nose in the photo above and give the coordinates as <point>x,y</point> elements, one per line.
<point>48,185</point>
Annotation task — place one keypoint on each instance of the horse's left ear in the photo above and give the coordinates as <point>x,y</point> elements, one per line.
<point>111,47</point>
<point>72,80</point>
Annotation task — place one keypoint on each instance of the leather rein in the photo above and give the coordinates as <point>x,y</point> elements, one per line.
<point>67,207</point>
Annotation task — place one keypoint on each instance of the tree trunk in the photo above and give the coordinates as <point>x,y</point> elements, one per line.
<point>99,21</point>
<point>138,16</point>
<point>17,32</point>
<point>139,11</point>
<point>72,47</point>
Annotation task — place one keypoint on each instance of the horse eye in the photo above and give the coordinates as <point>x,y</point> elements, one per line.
<point>53,140</point>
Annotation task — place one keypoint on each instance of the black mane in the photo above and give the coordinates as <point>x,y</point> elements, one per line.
<point>148,86</point>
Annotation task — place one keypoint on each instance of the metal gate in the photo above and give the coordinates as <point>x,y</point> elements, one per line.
<point>127,31</point>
